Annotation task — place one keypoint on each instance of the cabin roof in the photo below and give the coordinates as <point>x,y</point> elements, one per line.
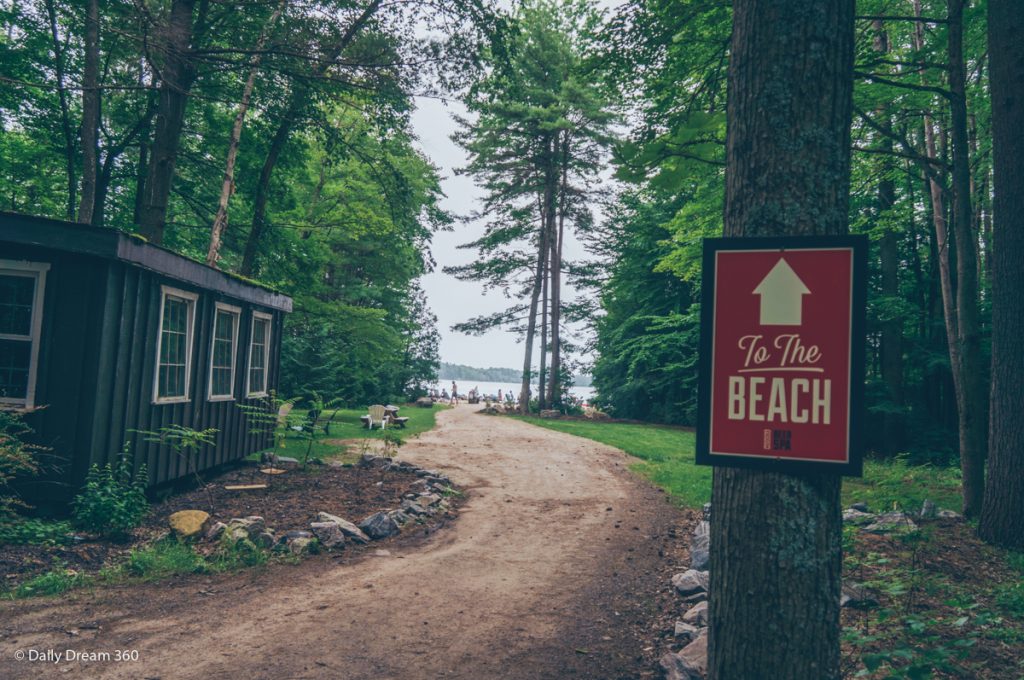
<point>113,244</point>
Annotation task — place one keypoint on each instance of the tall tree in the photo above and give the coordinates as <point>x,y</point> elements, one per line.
<point>90,112</point>
<point>788,169</point>
<point>1002,515</point>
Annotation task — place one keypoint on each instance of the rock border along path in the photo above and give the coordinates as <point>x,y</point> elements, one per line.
<point>549,572</point>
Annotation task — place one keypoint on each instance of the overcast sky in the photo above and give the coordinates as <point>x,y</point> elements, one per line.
<point>454,301</point>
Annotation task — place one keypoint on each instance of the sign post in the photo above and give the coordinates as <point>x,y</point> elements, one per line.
<point>782,353</point>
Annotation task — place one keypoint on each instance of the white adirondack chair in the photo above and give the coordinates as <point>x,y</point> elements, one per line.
<point>378,414</point>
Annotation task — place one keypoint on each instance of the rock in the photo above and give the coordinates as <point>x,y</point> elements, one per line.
<point>694,598</point>
<point>236,533</point>
<point>948,514</point>
<point>706,512</point>
<point>690,581</point>
<point>550,413</point>
<point>268,457</point>
<point>700,546</point>
<point>188,523</point>
<point>685,631</point>
<point>854,516</point>
<point>594,414</point>
<point>425,402</point>
<point>299,546</point>
<point>428,499</point>
<point>294,534</point>
<point>347,528</point>
<point>697,615</point>
<point>264,539</point>
<point>371,459</point>
<point>379,525</point>
<point>676,668</point>
<point>893,522</point>
<point>863,507</point>
<point>215,531</point>
<point>251,525</point>
<point>400,518</point>
<point>695,654</point>
<point>928,510</point>
<point>413,508</point>
<point>856,596</point>
<point>285,460</point>
<point>329,534</point>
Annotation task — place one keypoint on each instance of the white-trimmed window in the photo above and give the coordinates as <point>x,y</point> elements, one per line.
<point>174,345</point>
<point>259,355</point>
<point>223,351</point>
<point>21,316</point>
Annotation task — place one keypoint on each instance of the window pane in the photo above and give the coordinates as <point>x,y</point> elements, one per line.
<point>16,293</point>
<point>258,356</point>
<point>14,359</point>
<point>173,341</point>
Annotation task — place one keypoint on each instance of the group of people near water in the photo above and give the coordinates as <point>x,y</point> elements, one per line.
<point>452,398</point>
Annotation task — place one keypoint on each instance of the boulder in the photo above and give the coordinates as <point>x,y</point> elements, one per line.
<point>690,581</point>
<point>550,413</point>
<point>268,457</point>
<point>685,631</point>
<point>695,654</point>
<point>929,510</point>
<point>706,512</point>
<point>300,545</point>
<point>700,546</point>
<point>188,523</point>
<point>863,507</point>
<point>379,525</point>
<point>597,415</point>
<point>329,534</point>
<point>948,514</point>
<point>263,539</point>
<point>425,402</point>
<point>676,668</point>
<point>400,518</point>
<point>893,522</point>
<point>347,527</point>
<point>285,460</point>
<point>697,615</point>
<point>428,499</point>
<point>215,531</point>
<point>413,508</point>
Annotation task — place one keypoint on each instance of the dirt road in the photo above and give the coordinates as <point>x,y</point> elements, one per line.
<point>550,571</point>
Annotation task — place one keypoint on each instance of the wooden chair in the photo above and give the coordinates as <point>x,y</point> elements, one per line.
<point>377,414</point>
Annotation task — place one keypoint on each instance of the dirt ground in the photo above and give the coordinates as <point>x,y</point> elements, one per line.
<point>557,566</point>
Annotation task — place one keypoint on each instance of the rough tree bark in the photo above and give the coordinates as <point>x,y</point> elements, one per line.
<point>776,549</point>
<point>1002,514</point>
<point>65,114</point>
<point>531,323</point>
<point>220,221</point>
<point>556,275</point>
<point>971,398</point>
<point>90,112</point>
<point>177,74</point>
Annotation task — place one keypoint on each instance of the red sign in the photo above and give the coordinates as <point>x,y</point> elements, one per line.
<point>782,353</point>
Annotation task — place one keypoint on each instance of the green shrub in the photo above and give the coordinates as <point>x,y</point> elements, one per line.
<point>35,532</point>
<point>113,501</point>
<point>17,459</point>
<point>163,558</point>
<point>54,582</point>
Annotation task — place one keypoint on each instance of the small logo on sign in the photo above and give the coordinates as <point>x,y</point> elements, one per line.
<point>782,440</point>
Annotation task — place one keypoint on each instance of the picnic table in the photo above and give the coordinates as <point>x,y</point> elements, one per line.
<point>390,416</point>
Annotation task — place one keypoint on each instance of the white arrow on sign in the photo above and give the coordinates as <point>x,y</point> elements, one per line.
<point>782,295</point>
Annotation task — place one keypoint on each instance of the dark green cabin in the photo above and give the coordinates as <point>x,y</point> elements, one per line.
<point>111,335</point>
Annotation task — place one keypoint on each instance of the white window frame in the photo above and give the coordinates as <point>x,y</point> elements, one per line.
<point>37,271</point>
<point>190,327</point>
<point>266,354</point>
<point>236,313</point>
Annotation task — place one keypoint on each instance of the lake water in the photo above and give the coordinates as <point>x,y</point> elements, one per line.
<point>491,388</point>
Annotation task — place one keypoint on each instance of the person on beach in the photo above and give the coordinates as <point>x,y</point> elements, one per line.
<point>455,395</point>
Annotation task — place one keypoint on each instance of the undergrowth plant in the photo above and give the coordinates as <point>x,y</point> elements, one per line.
<point>113,500</point>
<point>186,443</point>
<point>17,459</point>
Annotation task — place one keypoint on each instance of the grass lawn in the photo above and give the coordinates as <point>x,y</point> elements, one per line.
<point>344,424</point>
<point>667,459</point>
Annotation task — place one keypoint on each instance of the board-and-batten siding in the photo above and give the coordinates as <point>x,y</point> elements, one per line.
<point>126,369</point>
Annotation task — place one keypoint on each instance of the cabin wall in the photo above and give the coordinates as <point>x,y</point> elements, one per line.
<point>96,369</point>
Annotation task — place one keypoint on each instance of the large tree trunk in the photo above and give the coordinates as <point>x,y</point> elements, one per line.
<point>90,112</point>
<point>971,402</point>
<point>556,275</point>
<point>776,548</point>
<point>891,345</point>
<point>1002,514</point>
<point>531,324</point>
<point>65,114</point>
<point>227,188</point>
<point>177,75</point>
<point>284,129</point>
